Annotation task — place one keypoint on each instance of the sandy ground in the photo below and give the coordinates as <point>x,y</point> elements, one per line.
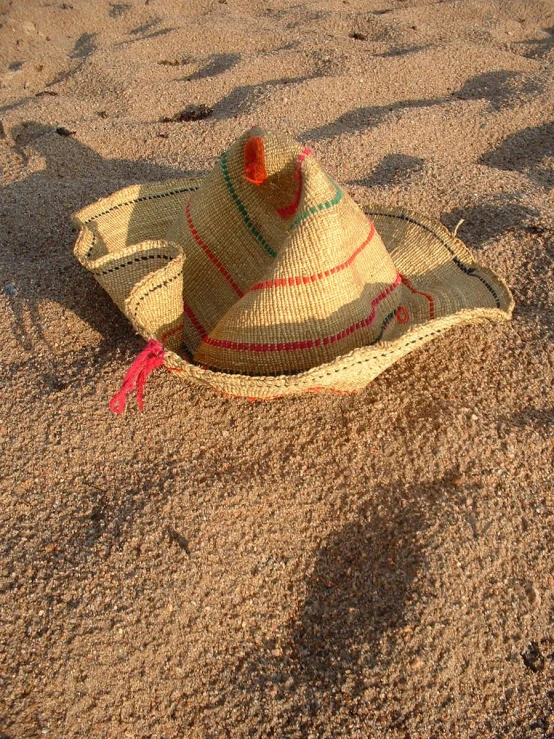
<point>377,565</point>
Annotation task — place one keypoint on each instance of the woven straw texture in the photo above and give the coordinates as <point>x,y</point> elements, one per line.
<point>265,278</point>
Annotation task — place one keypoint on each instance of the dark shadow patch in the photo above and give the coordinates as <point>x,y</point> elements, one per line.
<point>538,48</point>
<point>538,419</point>
<point>360,119</point>
<point>528,152</point>
<point>62,131</point>
<point>500,89</point>
<point>246,98</point>
<point>533,658</point>
<point>84,46</point>
<point>275,14</point>
<point>176,62</point>
<point>82,49</point>
<point>177,538</point>
<point>392,170</point>
<point>190,113</point>
<point>140,35</point>
<point>119,9</point>
<point>42,93</point>
<point>218,64</point>
<point>289,46</point>
<point>62,76</point>
<point>139,30</point>
<point>401,51</point>
<point>358,589</point>
<point>357,602</point>
<point>154,34</point>
<point>487,221</point>
<point>16,104</point>
<point>25,135</point>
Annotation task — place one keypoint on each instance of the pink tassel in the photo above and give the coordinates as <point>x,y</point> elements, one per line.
<point>151,357</point>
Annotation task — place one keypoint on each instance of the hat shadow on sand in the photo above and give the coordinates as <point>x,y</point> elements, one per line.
<point>355,610</point>
<point>38,261</point>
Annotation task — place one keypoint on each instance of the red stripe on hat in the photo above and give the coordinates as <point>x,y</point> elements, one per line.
<point>420,292</point>
<point>305,279</point>
<point>172,332</point>
<point>194,320</point>
<point>207,251</point>
<point>307,343</point>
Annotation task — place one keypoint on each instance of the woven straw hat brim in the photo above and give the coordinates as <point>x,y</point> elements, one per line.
<point>124,242</point>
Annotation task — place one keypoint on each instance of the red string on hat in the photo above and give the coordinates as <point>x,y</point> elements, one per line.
<point>151,357</point>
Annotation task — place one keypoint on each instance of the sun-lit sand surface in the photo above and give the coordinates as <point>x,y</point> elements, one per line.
<point>376,565</point>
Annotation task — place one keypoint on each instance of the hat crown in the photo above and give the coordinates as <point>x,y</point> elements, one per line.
<point>291,272</point>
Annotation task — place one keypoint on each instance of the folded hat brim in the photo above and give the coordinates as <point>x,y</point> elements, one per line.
<point>125,242</point>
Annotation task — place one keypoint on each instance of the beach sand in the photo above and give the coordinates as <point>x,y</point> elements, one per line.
<point>372,565</point>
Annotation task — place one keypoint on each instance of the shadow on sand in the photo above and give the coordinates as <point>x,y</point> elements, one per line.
<point>393,169</point>
<point>356,606</point>
<point>500,89</point>
<point>528,151</point>
<point>37,261</point>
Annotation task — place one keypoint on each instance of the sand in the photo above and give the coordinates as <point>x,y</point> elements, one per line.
<point>376,565</point>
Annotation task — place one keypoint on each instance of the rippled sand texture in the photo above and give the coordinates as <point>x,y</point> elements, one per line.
<point>377,565</point>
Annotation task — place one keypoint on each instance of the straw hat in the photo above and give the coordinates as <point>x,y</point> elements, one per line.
<point>265,278</point>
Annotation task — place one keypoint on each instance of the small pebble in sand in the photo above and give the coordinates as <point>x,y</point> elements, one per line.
<point>177,538</point>
<point>533,595</point>
<point>10,290</point>
<point>175,62</point>
<point>190,113</point>
<point>533,658</point>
